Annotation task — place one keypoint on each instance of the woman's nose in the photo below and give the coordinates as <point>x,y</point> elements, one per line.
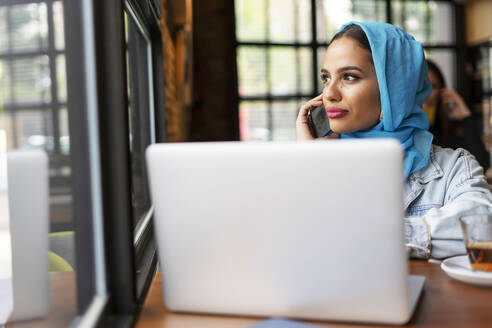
<point>331,92</point>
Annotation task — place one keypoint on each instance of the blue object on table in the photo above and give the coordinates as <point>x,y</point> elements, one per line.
<point>281,323</point>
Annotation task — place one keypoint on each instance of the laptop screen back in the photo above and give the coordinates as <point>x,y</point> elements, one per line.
<point>309,230</point>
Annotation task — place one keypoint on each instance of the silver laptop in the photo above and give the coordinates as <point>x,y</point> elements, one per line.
<point>308,230</point>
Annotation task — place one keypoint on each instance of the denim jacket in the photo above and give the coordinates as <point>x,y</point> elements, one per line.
<point>451,186</point>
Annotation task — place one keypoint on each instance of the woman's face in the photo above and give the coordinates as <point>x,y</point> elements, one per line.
<point>431,100</point>
<point>351,92</point>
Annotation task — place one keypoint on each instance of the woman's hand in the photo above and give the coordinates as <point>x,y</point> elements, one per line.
<point>456,107</point>
<point>302,127</point>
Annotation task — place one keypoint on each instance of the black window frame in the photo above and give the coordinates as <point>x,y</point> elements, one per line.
<point>131,257</point>
<point>139,50</point>
<point>83,105</point>
<point>129,263</point>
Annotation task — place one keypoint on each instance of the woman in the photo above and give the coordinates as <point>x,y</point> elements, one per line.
<point>375,79</point>
<point>450,119</point>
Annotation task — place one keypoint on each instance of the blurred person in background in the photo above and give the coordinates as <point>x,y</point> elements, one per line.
<point>450,119</point>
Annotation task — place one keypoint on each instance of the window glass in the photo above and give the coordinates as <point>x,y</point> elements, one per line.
<point>284,114</point>
<point>29,79</point>
<point>251,20</point>
<point>254,121</point>
<point>34,116</point>
<point>59,28</point>
<point>484,68</point>
<point>252,70</point>
<point>427,21</point>
<point>289,21</point>
<point>4,30</point>
<point>303,20</point>
<point>273,20</point>
<point>283,70</point>
<point>446,60</point>
<point>29,128</point>
<point>333,14</point>
<point>61,77</point>
<point>24,27</point>
<point>305,70</point>
<point>290,70</point>
<point>282,22</point>
<point>5,82</point>
<point>481,87</point>
<point>64,134</point>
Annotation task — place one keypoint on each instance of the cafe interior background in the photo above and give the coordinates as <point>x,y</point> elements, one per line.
<point>93,83</point>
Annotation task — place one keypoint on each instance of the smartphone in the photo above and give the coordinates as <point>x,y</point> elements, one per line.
<point>318,122</point>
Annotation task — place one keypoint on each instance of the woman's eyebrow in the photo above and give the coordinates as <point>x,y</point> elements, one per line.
<point>343,69</point>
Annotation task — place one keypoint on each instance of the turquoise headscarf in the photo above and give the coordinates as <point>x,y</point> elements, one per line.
<point>403,86</point>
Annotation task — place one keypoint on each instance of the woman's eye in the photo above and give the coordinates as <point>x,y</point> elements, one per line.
<point>325,78</point>
<point>351,77</point>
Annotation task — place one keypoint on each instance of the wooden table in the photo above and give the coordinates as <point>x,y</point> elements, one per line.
<point>444,303</point>
<point>63,307</point>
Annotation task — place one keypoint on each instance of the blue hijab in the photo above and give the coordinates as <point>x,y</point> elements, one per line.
<point>403,86</point>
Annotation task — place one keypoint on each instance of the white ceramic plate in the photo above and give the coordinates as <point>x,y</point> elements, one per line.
<point>458,267</point>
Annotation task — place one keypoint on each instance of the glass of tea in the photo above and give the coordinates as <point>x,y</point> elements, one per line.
<point>477,231</point>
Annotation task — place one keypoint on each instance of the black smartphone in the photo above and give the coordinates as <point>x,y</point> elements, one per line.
<point>318,122</point>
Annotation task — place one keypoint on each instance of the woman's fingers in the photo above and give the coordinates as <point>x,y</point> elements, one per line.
<point>449,95</point>
<point>302,127</point>
<point>455,104</point>
<point>315,102</point>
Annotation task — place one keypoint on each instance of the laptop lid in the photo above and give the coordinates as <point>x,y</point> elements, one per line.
<point>304,229</point>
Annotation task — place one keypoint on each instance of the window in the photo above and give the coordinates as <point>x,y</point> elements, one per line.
<point>280,47</point>
<point>81,89</point>
<point>33,92</point>
<point>433,24</point>
<point>33,110</point>
<point>482,86</point>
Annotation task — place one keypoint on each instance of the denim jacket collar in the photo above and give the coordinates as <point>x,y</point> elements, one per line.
<point>417,180</point>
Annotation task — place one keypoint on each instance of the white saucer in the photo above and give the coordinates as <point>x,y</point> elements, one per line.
<point>458,267</point>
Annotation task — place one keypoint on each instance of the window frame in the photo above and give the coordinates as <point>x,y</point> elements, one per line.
<point>82,93</point>
<point>114,265</point>
<point>129,263</point>
<point>136,57</point>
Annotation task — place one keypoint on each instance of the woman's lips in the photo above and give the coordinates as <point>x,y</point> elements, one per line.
<point>335,112</point>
